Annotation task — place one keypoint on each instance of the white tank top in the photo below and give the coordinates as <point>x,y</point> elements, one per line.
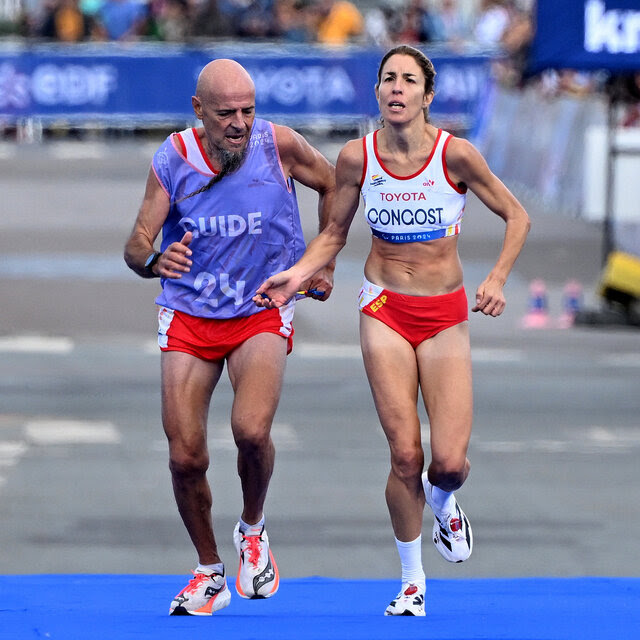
<point>424,206</point>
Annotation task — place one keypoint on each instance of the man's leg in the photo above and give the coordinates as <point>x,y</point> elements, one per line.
<point>256,370</point>
<point>187,385</point>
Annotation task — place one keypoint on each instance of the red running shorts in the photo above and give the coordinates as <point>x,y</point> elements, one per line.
<point>415,318</point>
<point>211,339</point>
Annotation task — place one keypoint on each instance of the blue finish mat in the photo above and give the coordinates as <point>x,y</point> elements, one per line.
<point>114,607</point>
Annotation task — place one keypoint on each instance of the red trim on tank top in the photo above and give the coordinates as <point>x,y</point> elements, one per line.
<point>413,175</point>
<point>205,157</point>
<point>178,142</point>
<point>364,165</point>
<point>444,167</point>
<point>287,181</point>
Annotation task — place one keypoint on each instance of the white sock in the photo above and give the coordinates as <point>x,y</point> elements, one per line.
<point>254,528</point>
<point>211,568</point>
<point>411,560</point>
<point>441,500</point>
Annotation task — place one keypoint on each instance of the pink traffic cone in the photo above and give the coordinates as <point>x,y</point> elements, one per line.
<point>537,316</point>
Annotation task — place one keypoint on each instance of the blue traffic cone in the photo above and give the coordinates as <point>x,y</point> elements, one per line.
<point>571,304</point>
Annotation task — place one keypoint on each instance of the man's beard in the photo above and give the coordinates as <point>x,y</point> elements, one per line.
<point>230,161</point>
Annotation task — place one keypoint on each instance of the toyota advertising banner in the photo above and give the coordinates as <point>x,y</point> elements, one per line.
<point>145,84</point>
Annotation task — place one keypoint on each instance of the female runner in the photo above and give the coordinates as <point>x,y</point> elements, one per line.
<point>414,332</point>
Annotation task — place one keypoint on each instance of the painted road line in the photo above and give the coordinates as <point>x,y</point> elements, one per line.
<point>284,437</point>
<point>497,355</point>
<point>60,266</point>
<point>78,151</point>
<point>35,344</point>
<point>10,453</point>
<point>630,360</point>
<point>352,351</point>
<point>57,431</point>
<point>150,347</point>
<point>591,440</point>
<point>7,151</point>
<point>328,351</point>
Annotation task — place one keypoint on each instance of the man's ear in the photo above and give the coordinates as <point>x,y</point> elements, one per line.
<point>197,107</point>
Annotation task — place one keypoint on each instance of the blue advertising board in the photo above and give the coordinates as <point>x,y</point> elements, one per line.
<point>587,35</point>
<point>145,83</point>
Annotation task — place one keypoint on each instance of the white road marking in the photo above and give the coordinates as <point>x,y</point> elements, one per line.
<point>621,360</point>
<point>496,355</point>
<point>7,151</point>
<point>150,347</point>
<point>58,431</point>
<point>321,350</point>
<point>284,437</point>
<point>59,266</point>
<point>35,344</point>
<point>594,439</point>
<point>352,351</point>
<point>78,151</point>
<point>11,451</point>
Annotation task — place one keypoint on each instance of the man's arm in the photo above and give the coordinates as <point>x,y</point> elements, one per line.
<point>305,164</point>
<point>326,246</point>
<point>309,167</point>
<point>153,212</point>
<point>466,164</point>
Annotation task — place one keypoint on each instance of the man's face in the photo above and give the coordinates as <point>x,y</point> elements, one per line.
<point>227,116</point>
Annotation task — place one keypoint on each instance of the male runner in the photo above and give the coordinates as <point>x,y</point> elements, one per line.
<point>223,196</point>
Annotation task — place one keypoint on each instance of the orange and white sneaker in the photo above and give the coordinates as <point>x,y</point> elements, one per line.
<point>409,602</point>
<point>258,575</point>
<point>204,594</point>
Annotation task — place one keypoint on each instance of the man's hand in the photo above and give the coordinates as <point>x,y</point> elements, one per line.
<point>175,261</point>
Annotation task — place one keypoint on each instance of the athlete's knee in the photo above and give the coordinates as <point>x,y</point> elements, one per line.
<point>188,461</point>
<point>448,474</point>
<point>252,440</point>
<point>407,462</point>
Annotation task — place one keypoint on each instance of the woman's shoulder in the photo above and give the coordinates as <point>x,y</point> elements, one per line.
<point>352,153</point>
<point>460,150</point>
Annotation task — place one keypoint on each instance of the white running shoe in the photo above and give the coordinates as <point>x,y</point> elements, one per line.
<point>202,596</point>
<point>451,529</point>
<point>409,602</point>
<point>258,575</point>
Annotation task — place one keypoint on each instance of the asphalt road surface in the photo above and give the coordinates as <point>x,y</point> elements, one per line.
<point>84,484</point>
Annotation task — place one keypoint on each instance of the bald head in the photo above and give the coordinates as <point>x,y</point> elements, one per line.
<point>225,101</point>
<point>223,76</point>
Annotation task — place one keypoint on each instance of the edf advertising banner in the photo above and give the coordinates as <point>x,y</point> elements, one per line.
<point>145,83</point>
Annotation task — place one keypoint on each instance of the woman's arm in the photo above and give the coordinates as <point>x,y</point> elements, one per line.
<point>281,287</point>
<point>466,165</point>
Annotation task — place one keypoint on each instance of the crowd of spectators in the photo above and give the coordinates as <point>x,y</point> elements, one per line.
<point>456,23</point>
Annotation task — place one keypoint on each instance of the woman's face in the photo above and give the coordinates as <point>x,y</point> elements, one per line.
<point>400,94</point>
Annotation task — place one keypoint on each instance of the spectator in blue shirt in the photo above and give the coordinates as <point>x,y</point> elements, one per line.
<point>123,19</point>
